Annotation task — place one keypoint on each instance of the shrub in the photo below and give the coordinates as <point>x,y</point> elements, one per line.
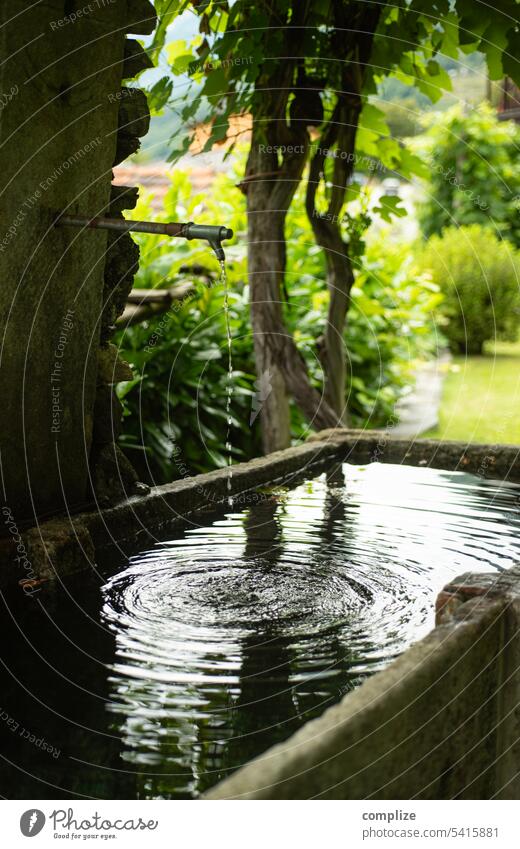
<point>479,276</point>
<point>474,172</point>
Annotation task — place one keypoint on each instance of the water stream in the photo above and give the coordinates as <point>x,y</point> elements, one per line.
<point>201,652</point>
<point>229,383</point>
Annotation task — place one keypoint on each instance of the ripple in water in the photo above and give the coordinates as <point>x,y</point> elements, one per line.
<point>232,636</point>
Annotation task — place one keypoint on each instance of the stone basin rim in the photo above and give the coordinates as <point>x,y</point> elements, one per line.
<point>69,544</point>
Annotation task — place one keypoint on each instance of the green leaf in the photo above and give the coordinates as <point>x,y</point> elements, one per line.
<point>180,58</point>
<point>373,119</point>
<point>216,83</point>
<point>167,11</point>
<point>412,165</point>
<point>388,206</point>
<point>494,40</point>
<point>159,94</point>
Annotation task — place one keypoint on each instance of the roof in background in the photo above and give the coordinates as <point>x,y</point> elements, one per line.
<point>203,167</point>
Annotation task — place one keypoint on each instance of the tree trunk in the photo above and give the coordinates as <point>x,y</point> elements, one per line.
<point>340,278</point>
<point>280,367</point>
<point>340,133</point>
<point>266,262</point>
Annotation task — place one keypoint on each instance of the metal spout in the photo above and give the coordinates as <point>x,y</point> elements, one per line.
<point>215,235</point>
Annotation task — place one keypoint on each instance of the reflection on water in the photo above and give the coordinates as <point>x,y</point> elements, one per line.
<point>212,646</point>
<point>232,636</point>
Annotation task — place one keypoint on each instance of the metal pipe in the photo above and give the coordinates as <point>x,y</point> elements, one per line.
<point>212,234</point>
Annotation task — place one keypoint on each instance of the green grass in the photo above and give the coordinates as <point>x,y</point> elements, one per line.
<point>481,397</point>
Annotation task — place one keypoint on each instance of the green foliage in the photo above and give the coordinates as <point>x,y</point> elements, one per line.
<point>167,11</point>
<point>252,58</point>
<point>239,43</point>
<point>479,276</point>
<point>248,58</point>
<point>177,401</point>
<point>389,326</point>
<point>175,420</point>
<point>240,46</point>
<point>392,90</point>
<point>474,174</point>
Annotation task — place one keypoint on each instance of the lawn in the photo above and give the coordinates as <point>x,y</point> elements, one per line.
<point>481,397</point>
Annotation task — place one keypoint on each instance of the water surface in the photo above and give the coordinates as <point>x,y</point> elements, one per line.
<point>231,637</point>
<point>201,652</point>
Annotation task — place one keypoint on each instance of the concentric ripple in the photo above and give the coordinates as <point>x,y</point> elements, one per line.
<point>231,636</point>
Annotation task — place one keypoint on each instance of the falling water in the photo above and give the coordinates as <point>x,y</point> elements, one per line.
<point>229,385</point>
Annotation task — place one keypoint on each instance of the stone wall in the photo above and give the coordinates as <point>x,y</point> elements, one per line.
<point>63,125</point>
<point>111,475</point>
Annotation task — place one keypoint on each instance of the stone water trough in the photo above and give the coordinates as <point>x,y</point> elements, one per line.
<point>440,722</point>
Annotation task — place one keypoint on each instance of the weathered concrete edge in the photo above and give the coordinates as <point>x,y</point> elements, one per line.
<point>69,544</point>
<point>63,546</point>
<point>501,462</point>
<point>482,600</point>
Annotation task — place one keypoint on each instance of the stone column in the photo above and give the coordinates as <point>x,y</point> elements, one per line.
<point>59,117</point>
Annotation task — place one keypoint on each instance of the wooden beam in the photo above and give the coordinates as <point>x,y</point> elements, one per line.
<point>143,304</point>
<point>160,296</point>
